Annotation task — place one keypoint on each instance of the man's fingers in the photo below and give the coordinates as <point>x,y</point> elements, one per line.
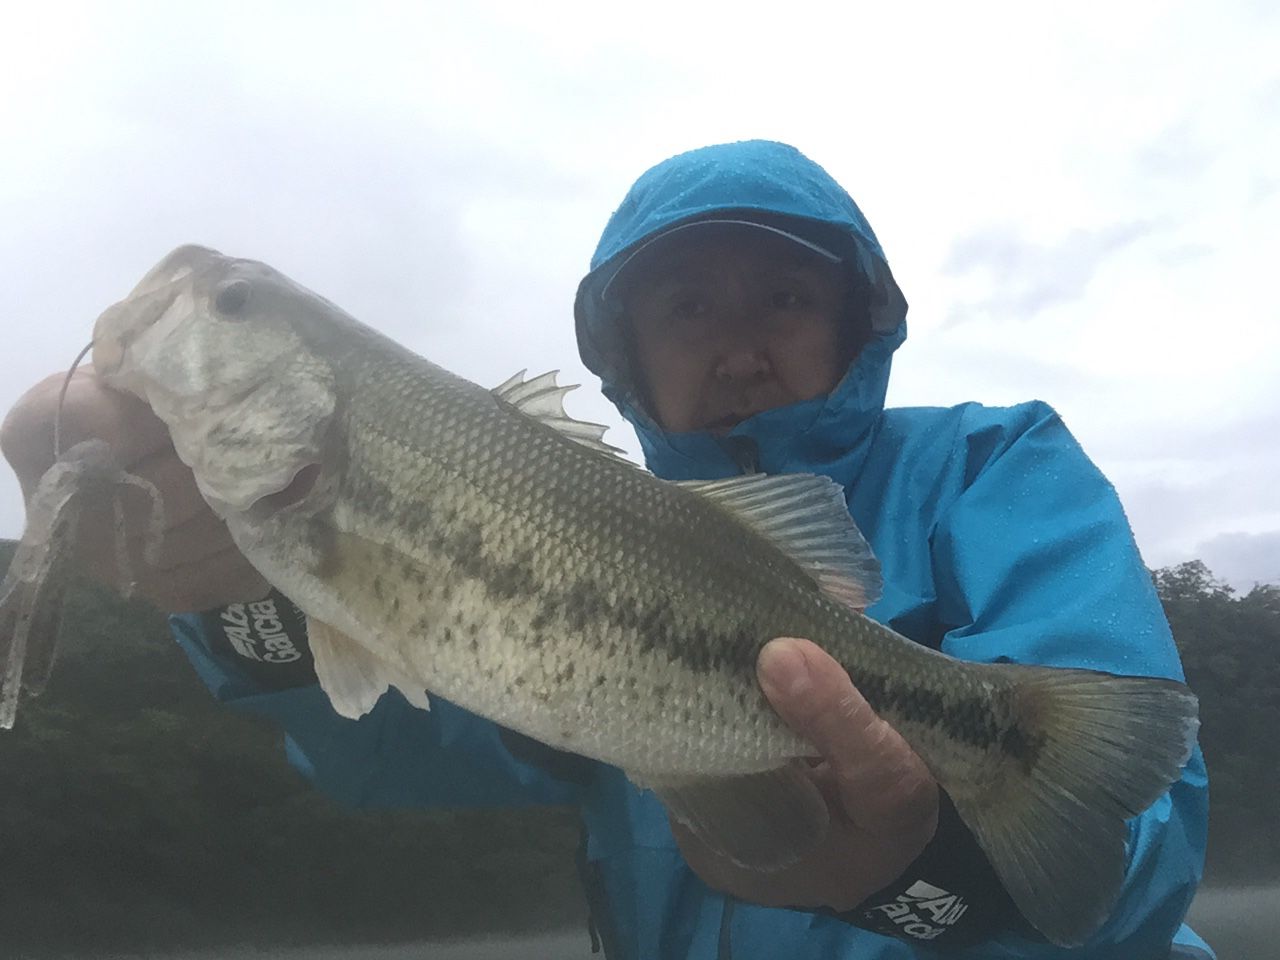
<point>882,783</point>
<point>199,566</point>
<point>89,410</point>
<point>814,695</point>
<point>226,577</point>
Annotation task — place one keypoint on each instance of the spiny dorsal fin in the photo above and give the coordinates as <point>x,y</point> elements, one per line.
<point>543,399</point>
<point>806,517</point>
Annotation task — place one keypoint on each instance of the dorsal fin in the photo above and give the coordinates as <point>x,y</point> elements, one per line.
<point>543,399</point>
<point>806,517</point>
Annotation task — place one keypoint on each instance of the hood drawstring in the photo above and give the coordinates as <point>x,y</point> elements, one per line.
<point>599,919</point>
<point>724,948</point>
<point>744,452</point>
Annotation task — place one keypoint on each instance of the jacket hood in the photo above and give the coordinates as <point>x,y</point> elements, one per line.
<point>775,185</point>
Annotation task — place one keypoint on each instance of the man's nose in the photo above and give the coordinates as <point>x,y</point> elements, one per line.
<point>741,363</point>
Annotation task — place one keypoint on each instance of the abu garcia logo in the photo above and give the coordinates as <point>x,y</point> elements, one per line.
<point>256,632</point>
<point>922,911</point>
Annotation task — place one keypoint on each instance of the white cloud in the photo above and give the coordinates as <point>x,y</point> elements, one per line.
<point>1243,559</point>
<point>1095,185</point>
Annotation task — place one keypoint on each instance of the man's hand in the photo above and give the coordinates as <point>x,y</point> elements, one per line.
<point>200,568</point>
<point>881,798</point>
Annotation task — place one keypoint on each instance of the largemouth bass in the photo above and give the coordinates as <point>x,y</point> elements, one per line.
<point>480,545</point>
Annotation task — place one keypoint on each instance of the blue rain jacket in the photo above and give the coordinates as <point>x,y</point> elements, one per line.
<point>998,538</point>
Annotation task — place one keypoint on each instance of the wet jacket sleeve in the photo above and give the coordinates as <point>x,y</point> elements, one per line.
<point>1034,562</point>
<point>395,756</point>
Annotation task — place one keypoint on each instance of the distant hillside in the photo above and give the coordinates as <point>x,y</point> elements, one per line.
<point>139,815</point>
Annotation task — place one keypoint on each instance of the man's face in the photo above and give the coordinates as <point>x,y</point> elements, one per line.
<point>727,324</point>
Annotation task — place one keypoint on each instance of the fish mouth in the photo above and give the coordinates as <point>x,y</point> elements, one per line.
<point>166,286</point>
<point>122,323</point>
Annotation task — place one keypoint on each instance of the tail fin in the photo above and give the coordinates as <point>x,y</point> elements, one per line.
<point>1093,750</point>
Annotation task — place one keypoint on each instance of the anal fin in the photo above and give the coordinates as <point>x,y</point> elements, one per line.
<point>352,675</point>
<point>765,821</point>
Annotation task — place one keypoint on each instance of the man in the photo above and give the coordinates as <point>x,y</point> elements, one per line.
<point>742,317</point>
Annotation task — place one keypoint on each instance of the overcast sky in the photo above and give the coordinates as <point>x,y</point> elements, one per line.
<point>1082,206</point>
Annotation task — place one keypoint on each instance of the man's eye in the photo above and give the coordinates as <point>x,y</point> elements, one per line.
<point>691,317</point>
<point>786,299</point>
<point>691,308</point>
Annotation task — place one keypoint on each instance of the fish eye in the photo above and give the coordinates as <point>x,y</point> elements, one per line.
<point>232,297</point>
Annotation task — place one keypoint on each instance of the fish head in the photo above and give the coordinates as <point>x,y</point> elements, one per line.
<point>199,324</point>
<point>216,346</point>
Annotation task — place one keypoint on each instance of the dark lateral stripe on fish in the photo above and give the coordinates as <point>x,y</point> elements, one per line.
<point>968,720</point>
<point>658,627</point>
<point>580,605</point>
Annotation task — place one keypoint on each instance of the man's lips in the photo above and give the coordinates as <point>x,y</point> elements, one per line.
<point>727,422</point>
<point>735,409</point>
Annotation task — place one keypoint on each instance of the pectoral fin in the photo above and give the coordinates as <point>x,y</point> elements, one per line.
<point>352,675</point>
<point>765,821</point>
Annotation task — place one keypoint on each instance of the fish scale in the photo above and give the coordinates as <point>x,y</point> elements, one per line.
<point>512,518</point>
<point>484,546</point>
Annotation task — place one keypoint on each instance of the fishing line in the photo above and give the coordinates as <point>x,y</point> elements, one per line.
<point>62,398</point>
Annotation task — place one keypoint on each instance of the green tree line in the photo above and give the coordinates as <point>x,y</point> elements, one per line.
<point>1230,647</point>
<point>138,815</point>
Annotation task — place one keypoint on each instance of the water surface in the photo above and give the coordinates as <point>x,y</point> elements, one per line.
<point>1241,923</point>
<point>561,945</point>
